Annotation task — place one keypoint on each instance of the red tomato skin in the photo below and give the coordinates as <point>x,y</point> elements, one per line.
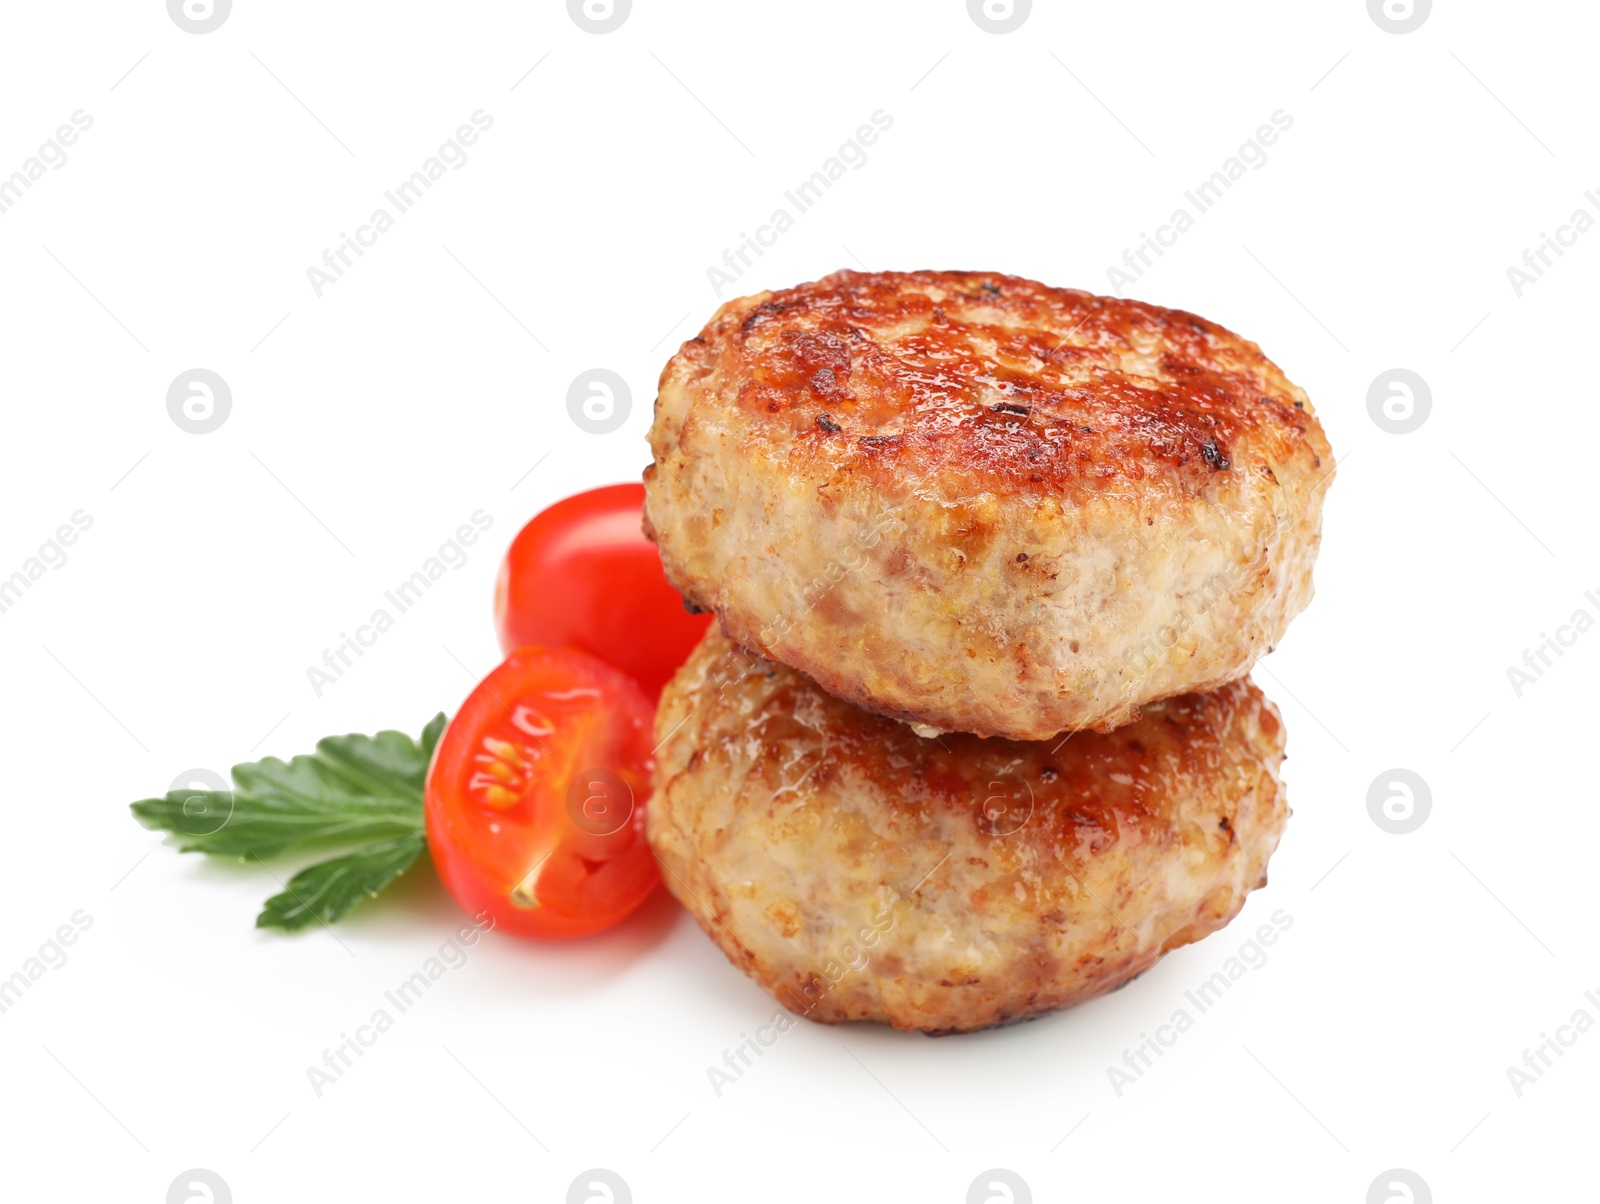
<point>581,574</point>
<point>461,844</point>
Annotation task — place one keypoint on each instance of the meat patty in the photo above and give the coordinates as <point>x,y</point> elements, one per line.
<point>980,504</point>
<point>860,872</point>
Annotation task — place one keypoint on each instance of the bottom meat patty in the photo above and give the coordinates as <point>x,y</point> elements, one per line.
<point>858,871</point>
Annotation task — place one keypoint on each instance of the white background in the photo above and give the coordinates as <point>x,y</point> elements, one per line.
<point>370,422</point>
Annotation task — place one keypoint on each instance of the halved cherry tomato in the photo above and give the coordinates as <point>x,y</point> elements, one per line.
<point>582,575</point>
<point>535,798</point>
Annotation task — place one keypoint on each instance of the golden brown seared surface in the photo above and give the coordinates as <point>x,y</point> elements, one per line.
<point>981,504</point>
<point>860,872</point>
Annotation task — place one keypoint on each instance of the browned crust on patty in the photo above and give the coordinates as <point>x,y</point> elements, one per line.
<point>994,382</point>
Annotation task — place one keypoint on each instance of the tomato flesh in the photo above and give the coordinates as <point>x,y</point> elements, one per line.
<point>535,799</point>
<point>581,574</point>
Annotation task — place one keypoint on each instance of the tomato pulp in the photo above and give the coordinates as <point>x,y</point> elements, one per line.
<point>535,799</point>
<point>581,574</point>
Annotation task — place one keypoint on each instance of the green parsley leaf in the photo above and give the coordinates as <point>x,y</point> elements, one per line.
<point>327,890</point>
<point>363,791</point>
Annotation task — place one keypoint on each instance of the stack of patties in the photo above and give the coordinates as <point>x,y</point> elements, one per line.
<point>991,562</point>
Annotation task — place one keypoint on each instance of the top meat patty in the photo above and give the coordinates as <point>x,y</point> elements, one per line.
<point>977,503</point>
